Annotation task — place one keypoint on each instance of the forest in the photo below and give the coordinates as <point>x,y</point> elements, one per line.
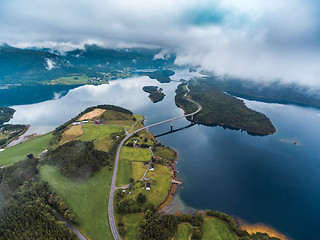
<point>5,114</point>
<point>78,160</point>
<point>29,215</point>
<point>162,76</point>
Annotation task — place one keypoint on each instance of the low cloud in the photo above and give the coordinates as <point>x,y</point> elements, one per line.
<point>260,40</point>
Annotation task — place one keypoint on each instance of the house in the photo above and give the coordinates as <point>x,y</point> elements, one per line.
<point>152,168</point>
<point>148,186</point>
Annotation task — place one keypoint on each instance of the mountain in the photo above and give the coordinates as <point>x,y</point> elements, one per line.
<point>30,66</point>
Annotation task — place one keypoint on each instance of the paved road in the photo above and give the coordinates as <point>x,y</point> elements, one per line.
<point>71,227</point>
<point>114,176</point>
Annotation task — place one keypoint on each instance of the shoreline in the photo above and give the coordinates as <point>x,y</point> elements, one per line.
<point>173,188</point>
<point>17,137</point>
<point>260,227</point>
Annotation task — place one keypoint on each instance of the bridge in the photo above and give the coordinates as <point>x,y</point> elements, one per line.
<point>113,226</point>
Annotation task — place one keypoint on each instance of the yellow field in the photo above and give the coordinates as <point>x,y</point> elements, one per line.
<point>71,133</point>
<point>95,113</point>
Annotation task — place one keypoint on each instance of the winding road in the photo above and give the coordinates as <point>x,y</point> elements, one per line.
<point>114,176</point>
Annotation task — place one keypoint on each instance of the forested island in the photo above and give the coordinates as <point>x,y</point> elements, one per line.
<point>156,94</point>
<point>162,76</point>
<point>219,108</point>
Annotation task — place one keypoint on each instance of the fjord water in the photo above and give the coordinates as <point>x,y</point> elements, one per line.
<point>273,180</point>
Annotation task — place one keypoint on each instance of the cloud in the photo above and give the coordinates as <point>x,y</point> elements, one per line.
<point>261,40</point>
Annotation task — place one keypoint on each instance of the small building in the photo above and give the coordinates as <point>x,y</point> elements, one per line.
<point>152,168</point>
<point>76,123</point>
<point>148,186</point>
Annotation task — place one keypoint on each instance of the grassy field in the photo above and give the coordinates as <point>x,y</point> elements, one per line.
<point>77,79</point>
<point>20,151</point>
<point>135,154</point>
<point>138,170</point>
<point>214,228</point>
<point>129,155</point>
<point>184,232</point>
<point>80,79</point>
<point>160,184</point>
<point>124,173</point>
<point>103,144</point>
<point>138,116</point>
<point>92,131</point>
<point>87,200</point>
<point>164,152</point>
<point>132,222</point>
<point>127,124</point>
<point>160,180</point>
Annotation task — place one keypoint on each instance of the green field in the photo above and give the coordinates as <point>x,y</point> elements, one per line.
<point>138,170</point>
<point>135,154</point>
<point>132,222</point>
<point>128,155</point>
<point>92,131</point>
<point>124,173</point>
<point>160,184</point>
<point>78,79</point>
<point>184,232</point>
<point>165,152</point>
<point>20,151</point>
<point>138,116</point>
<point>214,228</point>
<point>160,180</point>
<point>88,200</point>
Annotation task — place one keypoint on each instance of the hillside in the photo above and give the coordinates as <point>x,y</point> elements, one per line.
<point>34,66</point>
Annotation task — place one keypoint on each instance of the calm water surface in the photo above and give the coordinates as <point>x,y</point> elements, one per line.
<point>267,179</point>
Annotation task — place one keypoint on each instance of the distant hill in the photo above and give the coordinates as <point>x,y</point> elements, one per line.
<point>32,66</point>
<point>274,92</point>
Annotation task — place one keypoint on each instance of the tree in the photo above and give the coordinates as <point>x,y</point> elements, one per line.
<point>141,198</point>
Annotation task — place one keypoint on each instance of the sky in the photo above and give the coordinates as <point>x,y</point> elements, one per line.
<point>274,40</point>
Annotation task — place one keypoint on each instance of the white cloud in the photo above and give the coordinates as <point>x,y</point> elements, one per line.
<point>263,40</point>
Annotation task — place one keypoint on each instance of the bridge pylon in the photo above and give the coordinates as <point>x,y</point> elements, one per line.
<point>171,125</point>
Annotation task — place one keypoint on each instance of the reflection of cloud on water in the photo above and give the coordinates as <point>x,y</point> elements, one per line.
<point>124,93</point>
<point>318,115</point>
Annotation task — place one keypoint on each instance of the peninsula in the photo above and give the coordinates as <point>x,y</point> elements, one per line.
<point>221,109</point>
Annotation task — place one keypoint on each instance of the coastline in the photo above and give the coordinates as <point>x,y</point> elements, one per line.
<point>173,188</point>
<point>260,227</point>
<point>9,144</point>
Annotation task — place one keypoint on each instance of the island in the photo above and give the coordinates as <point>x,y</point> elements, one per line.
<point>156,94</point>
<point>220,108</point>
<point>162,76</point>
<point>58,185</point>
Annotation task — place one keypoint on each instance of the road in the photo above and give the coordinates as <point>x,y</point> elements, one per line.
<point>114,176</point>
